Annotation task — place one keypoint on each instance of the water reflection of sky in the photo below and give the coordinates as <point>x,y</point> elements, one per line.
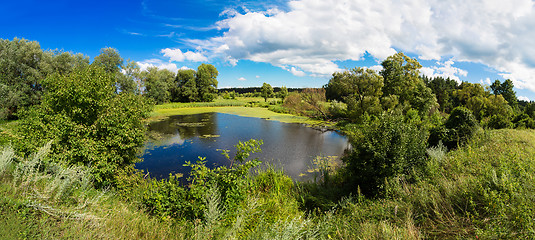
<point>178,139</point>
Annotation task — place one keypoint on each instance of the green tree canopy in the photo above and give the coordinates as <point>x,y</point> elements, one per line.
<point>185,86</point>
<point>443,89</point>
<point>359,88</point>
<point>283,93</point>
<point>267,91</point>
<point>20,75</point>
<point>206,82</point>
<point>401,78</point>
<point>109,59</point>
<point>57,61</point>
<point>130,79</point>
<point>506,90</point>
<point>158,83</point>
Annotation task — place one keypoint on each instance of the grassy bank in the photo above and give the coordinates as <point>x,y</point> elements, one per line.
<point>484,190</point>
<point>235,107</point>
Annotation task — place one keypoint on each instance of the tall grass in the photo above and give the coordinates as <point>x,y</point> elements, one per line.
<point>6,159</point>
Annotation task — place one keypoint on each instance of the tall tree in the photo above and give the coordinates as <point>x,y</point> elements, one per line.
<point>401,78</point>
<point>20,75</point>
<point>157,84</point>
<point>401,75</point>
<point>206,82</point>
<point>506,90</point>
<point>185,86</point>
<point>109,59</point>
<point>443,90</point>
<point>57,61</point>
<point>267,91</point>
<point>313,99</point>
<point>359,88</point>
<point>283,93</point>
<point>129,79</point>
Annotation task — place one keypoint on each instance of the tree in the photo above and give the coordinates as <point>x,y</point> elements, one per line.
<point>401,78</point>
<point>482,104</point>
<point>313,98</point>
<point>267,91</point>
<point>20,75</point>
<point>206,82</point>
<point>109,59</point>
<point>129,80</point>
<point>185,86</point>
<point>461,125</point>
<point>157,84</point>
<point>506,90</point>
<point>401,75</point>
<point>87,122</point>
<point>359,88</point>
<point>61,62</point>
<point>283,93</point>
<point>443,90</point>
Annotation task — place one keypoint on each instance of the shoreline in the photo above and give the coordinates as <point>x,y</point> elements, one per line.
<point>256,112</point>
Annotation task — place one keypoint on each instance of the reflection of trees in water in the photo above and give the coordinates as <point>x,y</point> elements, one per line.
<point>183,127</point>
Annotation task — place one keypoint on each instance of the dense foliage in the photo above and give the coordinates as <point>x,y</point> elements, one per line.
<point>389,147</point>
<point>267,91</point>
<point>195,86</point>
<point>23,66</point>
<point>87,122</point>
<point>365,92</point>
<point>226,185</point>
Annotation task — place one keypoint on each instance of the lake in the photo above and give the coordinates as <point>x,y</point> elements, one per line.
<point>182,138</point>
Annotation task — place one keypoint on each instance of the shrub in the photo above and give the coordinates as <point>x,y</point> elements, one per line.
<point>337,109</point>
<point>499,121</point>
<point>168,198</point>
<point>523,121</point>
<point>388,147</point>
<point>87,122</point>
<point>461,126</point>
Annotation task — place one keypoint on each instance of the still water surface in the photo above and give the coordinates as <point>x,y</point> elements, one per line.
<point>289,146</point>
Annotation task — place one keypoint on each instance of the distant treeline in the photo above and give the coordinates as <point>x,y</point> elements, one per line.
<point>254,89</point>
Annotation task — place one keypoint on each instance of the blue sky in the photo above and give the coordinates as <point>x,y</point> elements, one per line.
<point>292,43</point>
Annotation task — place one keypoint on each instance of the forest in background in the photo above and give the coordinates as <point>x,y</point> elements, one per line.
<point>425,161</point>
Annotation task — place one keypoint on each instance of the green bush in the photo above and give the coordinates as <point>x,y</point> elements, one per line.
<point>277,109</point>
<point>499,121</point>
<point>523,121</point>
<point>168,198</point>
<point>388,147</point>
<point>88,123</point>
<point>461,125</point>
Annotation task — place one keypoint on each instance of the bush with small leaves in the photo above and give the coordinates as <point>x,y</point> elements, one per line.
<point>388,147</point>
<point>461,125</point>
<point>169,198</point>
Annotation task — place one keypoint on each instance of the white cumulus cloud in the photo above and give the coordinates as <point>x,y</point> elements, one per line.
<point>445,70</point>
<point>177,55</point>
<point>312,35</point>
<point>144,65</point>
<point>523,98</point>
<point>297,72</point>
<point>242,79</point>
